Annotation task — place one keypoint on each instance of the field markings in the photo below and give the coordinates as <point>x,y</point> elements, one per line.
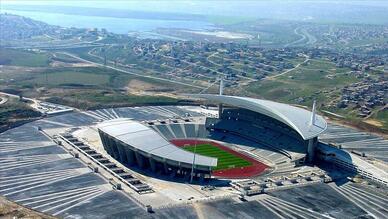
<point>168,111</point>
<point>93,115</point>
<point>225,158</point>
<point>48,196</point>
<point>43,182</point>
<point>170,129</point>
<point>115,113</point>
<point>27,161</point>
<point>296,208</point>
<point>361,201</point>
<point>284,209</point>
<point>22,147</point>
<point>102,114</point>
<point>183,129</point>
<point>271,208</point>
<point>160,111</point>
<point>55,123</point>
<point>79,203</point>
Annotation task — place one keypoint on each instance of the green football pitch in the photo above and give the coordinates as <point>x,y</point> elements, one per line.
<point>226,159</point>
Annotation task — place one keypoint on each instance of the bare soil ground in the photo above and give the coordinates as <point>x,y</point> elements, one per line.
<point>11,210</point>
<point>374,122</point>
<point>65,64</point>
<point>362,126</point>
<point>138,87</point>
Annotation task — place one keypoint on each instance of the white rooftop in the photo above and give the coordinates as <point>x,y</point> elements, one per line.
<point>297,118</point>
<point>147,140</point>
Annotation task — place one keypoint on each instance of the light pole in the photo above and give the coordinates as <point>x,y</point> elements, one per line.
<point>195,152</point>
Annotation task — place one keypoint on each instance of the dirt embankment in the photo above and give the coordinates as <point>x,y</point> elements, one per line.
<point>362,126</point>
<point>11,210</point>
<point>138,87</point>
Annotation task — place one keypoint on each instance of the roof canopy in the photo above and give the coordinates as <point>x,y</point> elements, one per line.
<point>297,118</point>
<point>149,141</point>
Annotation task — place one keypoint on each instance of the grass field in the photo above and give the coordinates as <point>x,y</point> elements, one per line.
<point>226,160</point>
<point>23,58</point>
<point>70,77</point>
<point>309,82</point>
<point>382,116</point>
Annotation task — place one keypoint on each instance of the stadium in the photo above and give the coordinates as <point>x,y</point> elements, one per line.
<point>286,135</point>
<point>233,152</point>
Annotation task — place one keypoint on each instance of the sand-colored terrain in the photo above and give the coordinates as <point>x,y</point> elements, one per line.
<point>138,87</point>
<point>11,210</point>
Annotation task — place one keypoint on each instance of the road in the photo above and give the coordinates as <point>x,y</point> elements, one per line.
<point>34,104</point>
<point>131,73</point>
<point>17,96</point>
<point>304,34</point>
<point>250,62</point>
<point>72,45</point>
<point>218,72</point>
<point>289,70</point>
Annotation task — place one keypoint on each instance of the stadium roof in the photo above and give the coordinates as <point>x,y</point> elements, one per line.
<point>149,141</point>
<point>297,118</point>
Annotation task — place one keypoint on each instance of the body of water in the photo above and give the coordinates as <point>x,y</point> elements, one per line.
<point>115,25</point>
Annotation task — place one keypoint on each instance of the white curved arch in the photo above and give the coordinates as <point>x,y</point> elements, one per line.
<point>295,117</point>
<point>147,140</point>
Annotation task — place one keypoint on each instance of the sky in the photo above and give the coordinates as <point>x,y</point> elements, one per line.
<point>323,10</point>
<point>194,6</point>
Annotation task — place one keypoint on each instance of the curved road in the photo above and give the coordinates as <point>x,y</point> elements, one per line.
<point>304,35</point>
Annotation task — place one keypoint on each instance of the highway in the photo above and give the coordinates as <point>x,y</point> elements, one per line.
<point>304,35</point>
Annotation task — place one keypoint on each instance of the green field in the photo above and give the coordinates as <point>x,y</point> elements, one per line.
<point>23,58</point>
<point>319,79</point>
<point>383,117</point>
<point>226,160</point>
<point>70,77</point>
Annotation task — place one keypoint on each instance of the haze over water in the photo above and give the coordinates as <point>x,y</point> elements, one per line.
<point>112,24</point>
<point>158,12</point>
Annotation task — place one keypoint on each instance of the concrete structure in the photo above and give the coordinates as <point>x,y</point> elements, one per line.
<point>295,117</point>
<point>133,143</point>
<point>307,124</point>
<point>352,163</point>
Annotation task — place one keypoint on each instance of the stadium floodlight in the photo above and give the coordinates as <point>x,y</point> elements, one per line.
<point>221,86</point>
<point>312,122</point>
<point>195,152</point>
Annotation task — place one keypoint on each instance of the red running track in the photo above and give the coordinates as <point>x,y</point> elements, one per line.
<point>239,172</point>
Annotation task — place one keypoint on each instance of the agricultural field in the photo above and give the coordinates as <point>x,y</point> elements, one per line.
<point>226,159</point>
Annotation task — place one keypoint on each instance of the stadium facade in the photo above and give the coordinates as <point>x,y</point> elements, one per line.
<point>131,143</point>
<point>289,130</point>
<point>259,119</point>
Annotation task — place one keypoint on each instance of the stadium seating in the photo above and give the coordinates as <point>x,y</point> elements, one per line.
<point>260,129</point>
<point>177,130</point>
<point>164,131</point>
<point>256,134</point>
<point>190,130</point>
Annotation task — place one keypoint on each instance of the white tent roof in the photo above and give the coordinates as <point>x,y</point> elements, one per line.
<point>149,141</point>
<point>297,118</point>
